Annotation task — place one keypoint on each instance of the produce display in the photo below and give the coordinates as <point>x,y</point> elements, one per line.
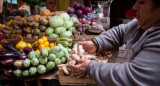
<point>79,10</point>
<point>79,53</point>
<point>60,26</point>
<point>24,61</point>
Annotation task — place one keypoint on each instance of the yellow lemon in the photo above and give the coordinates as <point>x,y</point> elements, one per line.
<point>46,43</point>
<point>36,44</point>
<point>51,45</point>
<point>40,41</point>
<point>41,46</point>
<point>44,38</point>
<point>29,45</point>
<point>37,51</point>
<point>47,48</point>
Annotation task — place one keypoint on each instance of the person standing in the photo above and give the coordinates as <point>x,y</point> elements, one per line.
<point>141,38</point>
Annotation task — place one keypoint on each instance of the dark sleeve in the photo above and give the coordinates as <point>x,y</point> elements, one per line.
<point>143,70</point>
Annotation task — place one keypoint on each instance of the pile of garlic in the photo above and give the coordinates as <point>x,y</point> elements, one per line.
<point>79,53</point>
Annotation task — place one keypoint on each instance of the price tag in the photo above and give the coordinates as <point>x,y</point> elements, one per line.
<point>1,5</point>
<point>92,16</point>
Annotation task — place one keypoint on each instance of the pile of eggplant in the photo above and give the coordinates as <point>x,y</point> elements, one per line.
<point>11,58</point>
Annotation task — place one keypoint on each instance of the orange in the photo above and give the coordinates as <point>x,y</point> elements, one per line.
<point>46,43</point>
<point>41,46</point>
<point>44,38</point>
<point>40,41</point>
<point>51,45</point>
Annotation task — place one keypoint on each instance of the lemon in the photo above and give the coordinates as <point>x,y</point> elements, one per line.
<point>46,43</point>
<point>47,48</point>
<point>44,38</point>
<point>41,46</point>
<point>51,45</point>
<point>36,44</point>
<point>40,41</point>
<point>29,45</point>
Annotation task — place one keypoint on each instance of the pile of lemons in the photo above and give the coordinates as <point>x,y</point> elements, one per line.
<point>43,43</point>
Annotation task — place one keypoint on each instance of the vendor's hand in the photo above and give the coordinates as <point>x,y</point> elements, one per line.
<point>88,46</point>
<point>79,70</point>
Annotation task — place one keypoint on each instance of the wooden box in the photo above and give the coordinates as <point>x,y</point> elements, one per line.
<point>70,80</point>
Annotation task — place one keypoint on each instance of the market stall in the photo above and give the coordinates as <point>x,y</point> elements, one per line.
<point>41,46</point>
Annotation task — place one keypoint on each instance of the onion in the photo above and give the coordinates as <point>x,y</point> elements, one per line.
<point>82,6</point>
<point>79,12</point>
<point>87,10</point>
<point>76,5</point>
<point>88,21</point>
<point>70,10</point>
<point>83,20</point>
<point>73,15</point>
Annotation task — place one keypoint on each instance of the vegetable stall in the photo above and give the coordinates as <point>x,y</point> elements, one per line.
<point>37,46</point>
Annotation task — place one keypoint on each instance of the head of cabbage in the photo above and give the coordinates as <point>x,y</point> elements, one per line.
<point>65,16</point>
<point>56,21</point>
<point>68,24</point>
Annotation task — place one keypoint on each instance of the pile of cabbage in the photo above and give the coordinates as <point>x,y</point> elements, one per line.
<point>43,61</point>
<point>60,26</point>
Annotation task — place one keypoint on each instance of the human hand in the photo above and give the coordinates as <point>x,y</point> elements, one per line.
<point>79,70</point>
<point>88,46</point>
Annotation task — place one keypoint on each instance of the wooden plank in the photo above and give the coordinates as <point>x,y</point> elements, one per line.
<point>26,83</point>
<point>52,75</point>
<point>87,37</point>
<point>70,80</point>
<point>39,82</point>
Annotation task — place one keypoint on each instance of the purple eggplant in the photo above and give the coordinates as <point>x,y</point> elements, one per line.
<point>23,57</point>
<point>27,50</point>
<point>9,55</point>
<point>7,72</point>
<point>7,62</point>
<point>10,48</point>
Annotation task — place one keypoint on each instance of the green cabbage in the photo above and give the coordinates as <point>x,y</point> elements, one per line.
<point>68,24</point>
<point>65,16</point>
<point>66,34</point>
<point>54,35</point>
<point>50,65</point>
<point>59,30</point>
<point>73,19</point>
<point>56,21</point>
<point>41,69</point>
<point>71,29</point>
<point>49,31</point>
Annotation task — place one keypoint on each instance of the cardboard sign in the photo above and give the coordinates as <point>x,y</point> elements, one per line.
<point>92,16</point>
<point>1,5</point>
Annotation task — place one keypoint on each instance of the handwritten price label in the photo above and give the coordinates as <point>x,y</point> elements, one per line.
<point>92,16</point>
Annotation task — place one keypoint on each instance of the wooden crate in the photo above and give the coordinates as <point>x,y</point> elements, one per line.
<point>87,37</point>
<point>70,80</point>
